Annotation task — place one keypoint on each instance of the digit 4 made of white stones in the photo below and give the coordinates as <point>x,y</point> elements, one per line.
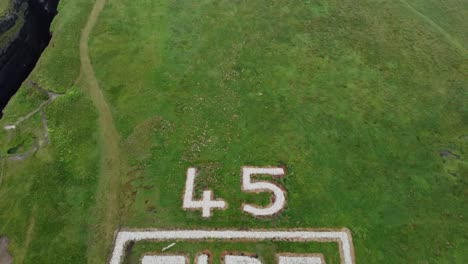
<point>207,204</point>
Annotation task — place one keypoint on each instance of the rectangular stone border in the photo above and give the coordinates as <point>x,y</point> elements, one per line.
<point>341,236</point>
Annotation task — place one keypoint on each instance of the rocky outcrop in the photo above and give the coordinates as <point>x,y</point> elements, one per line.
<point>5,257</point>
<point>8,21</point>
<point>19,55</point>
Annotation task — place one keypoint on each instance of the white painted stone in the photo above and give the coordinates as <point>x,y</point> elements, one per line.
<point>233,259</point>
<point>206,204</point>
<point>341,236</point>
<point>164,260</point>
<point>300,260</point>
<point>168,247</point>
<point>260,186</point>
<point>203,259</point>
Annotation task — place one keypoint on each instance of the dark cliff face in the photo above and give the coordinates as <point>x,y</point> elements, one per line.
<point>18,58</point>
<point>8,21</point>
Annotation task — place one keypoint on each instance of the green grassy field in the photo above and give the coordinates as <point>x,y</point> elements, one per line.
<point>363,102</point>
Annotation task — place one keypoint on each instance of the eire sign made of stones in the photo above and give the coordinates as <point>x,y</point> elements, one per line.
<point>342,237</point>
<point>208,203</point>
<point>233,258</point>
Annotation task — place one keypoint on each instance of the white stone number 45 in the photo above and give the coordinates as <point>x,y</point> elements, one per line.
<point>208,203</point>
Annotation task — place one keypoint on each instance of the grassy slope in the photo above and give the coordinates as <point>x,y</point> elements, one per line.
<point>7,37</point>
<point>45,200</point>
<point>449,15</point>
<point>105,220</point>
<point>4,7</point>
<point>357,100</point>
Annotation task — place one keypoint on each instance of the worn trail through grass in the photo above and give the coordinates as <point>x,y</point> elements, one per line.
<point>450,39</point>
<point>106,211</point>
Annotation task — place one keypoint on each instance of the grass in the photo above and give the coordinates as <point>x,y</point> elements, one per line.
<point>59,66</point>
<point>5,6</point>
<point>447,15</point>
<point>7,37</point>
<point>47,198</point>
<point>357,100</point>
<point>25,101</point>
<point>59,182</point>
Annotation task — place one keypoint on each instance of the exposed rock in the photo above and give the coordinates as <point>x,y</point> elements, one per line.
<point>5,257</point>
<point>448,154</point>
<point>9,20</point>
<point>19,56</point>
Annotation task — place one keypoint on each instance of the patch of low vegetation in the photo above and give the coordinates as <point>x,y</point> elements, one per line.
<point>25,101</point>
<point>59,66</point>
<point>7,37</point>
<point>58,180</point>
<point>5,6</point>
<point>46,198</point>
<point>447,15</point>
<point>25,136</point>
